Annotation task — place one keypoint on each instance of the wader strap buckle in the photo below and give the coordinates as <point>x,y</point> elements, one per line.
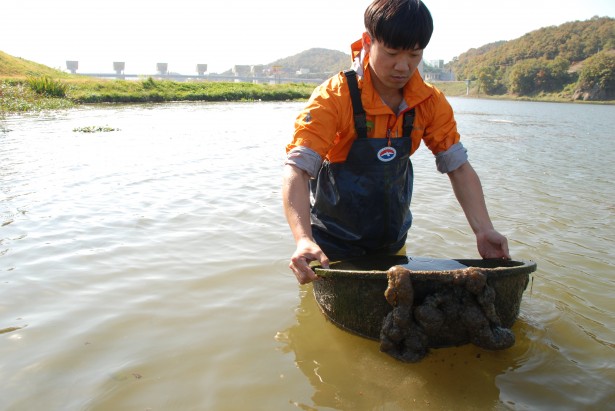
<point>408,122</point>
<point>360,122</point>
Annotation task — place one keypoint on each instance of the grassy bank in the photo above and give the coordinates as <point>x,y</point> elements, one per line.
<point>19,97</point>
<point>38,93</point>
<point>452,88</point>
<point>46,93</point>
<point>150,90</point>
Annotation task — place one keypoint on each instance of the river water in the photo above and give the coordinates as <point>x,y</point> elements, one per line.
<point>146,268</point>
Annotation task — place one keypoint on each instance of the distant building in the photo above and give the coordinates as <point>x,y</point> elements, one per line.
<point>443,75</point>
<point>241,70</point>
<point>72,66</point>
<point>438,64</point>
<point>162,68</point>
<point>201,69</point>
<point>257,70</point>
<point>434,70</point>
<point>118,67</point>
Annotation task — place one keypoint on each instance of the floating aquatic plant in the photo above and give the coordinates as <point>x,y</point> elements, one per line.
<point>95,129</point>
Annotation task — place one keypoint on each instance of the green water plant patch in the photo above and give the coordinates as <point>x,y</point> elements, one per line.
<point>95,129</point>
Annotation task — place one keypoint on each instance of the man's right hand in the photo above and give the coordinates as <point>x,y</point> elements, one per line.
<point>306,252</point>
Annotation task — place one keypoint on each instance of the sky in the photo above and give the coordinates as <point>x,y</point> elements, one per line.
<point>223,33</point>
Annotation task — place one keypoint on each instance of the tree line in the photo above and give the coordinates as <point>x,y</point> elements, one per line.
<point>575,59</point>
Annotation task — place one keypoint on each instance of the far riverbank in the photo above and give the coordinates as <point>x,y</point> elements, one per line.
<point>20,95</point>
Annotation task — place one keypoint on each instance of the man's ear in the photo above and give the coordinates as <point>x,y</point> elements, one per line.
<point>367,41</point>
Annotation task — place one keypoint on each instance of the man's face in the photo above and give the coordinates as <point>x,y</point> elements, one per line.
<point>392,67</point>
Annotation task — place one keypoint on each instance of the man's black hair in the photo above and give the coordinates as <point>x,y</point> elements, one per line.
<point>399,24</point>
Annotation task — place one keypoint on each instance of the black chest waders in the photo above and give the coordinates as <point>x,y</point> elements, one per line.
<point>362,206</point>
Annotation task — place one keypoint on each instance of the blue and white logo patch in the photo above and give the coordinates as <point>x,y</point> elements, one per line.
<point>387,154</point>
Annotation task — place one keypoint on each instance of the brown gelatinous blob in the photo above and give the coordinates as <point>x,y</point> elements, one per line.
<point>459,309</point>
<point>400,336</point>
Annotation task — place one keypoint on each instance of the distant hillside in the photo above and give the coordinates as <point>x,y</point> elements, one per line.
<point>318,61</point>
<point>575,58</point>
<point>19,68</point>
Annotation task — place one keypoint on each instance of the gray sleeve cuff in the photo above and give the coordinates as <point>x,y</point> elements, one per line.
<point>452,158</point>
<point>305,159</point>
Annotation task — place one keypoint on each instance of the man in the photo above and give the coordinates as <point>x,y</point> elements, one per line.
<point>352,147</point>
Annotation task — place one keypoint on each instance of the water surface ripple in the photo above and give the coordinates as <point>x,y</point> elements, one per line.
<point>146,268</point>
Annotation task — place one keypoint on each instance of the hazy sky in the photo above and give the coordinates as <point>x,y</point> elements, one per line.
<point>222,33</point>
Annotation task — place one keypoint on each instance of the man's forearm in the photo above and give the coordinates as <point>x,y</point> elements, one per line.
<point>469,192</point>
<point>296,201</point>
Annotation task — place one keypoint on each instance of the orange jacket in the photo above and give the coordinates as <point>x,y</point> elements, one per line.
<point>326,124</point>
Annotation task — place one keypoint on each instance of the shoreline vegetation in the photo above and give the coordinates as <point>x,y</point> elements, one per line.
<point>32,94</point>
<point>42,93</point>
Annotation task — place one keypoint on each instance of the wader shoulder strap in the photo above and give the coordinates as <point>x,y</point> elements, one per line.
<point>360,122</point>
<point>408,122</point>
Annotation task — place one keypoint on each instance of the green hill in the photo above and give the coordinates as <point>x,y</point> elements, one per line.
<point>16,67</point>
<point>575,58</point>
<point>317,62</point>
<point>313,63</point>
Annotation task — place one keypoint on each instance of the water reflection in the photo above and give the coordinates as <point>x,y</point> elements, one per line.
<point>349,372</point>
